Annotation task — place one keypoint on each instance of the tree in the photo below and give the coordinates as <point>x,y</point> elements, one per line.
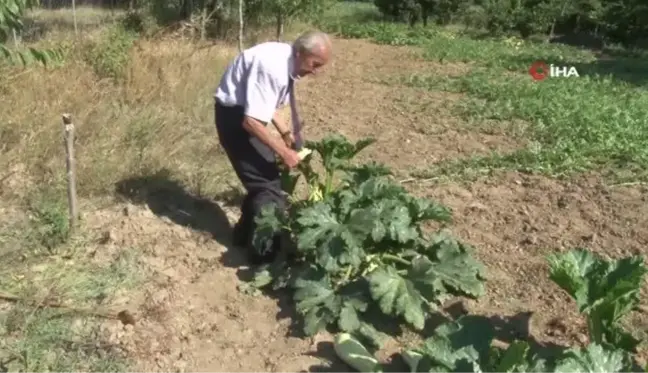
<point>11,12</point>
<point>284,10</point>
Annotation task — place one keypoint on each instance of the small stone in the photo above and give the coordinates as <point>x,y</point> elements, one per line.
<point>476,206</point>
<point>180,366</point>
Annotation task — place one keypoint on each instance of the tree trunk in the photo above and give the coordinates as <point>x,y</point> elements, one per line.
<point>240,33</point>
<point>280,26</point>
<point>187,9</point>
<point>203,21</point>
<point>562,14</point>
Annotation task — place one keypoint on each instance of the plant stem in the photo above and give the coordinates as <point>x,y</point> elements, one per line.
<point>328,183</point>
<point>348,274</point>
<point>395,258</point>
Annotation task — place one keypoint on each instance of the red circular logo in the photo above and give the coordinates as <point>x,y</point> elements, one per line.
<point>539,70</point>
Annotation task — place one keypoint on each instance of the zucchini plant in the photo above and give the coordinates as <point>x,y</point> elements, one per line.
<point>356,248</point>
<point>605,291</point>
<point>465,346</point>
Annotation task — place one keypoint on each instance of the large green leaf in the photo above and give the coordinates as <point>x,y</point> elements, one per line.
<point>397,296</point>
<point>336,151</point>
<point>316,300</point>
<point>393,223</point>
<point>460,345</point>
<point>336,242</point>
<point>594,359</point>
<point>453,267</point>
<point>358,174</point>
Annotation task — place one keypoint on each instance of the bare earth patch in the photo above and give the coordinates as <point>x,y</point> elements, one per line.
<point>515,221</point>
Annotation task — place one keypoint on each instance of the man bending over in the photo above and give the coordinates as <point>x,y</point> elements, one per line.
<point>259,81</point>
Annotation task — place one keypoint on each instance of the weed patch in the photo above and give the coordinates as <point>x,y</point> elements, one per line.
<point>109,57</point>
<point>37,338</point>
<point>575,124</point>
<point>594,121</point>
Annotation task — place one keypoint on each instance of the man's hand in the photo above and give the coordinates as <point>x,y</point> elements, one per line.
<point>290,158</point>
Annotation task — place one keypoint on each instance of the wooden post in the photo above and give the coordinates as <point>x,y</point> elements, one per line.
<point>68,134</point>
<point>241,27</point>
<point>74,17</point>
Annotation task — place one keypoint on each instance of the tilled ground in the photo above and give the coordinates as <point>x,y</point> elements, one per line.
<point>194,318</point>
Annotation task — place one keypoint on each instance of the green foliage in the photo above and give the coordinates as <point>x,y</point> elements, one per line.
<point>605,291</point>
<point>569,125</point>
<point>49,218</point>
<point>51,223</point>
<point>110,56</point>
<point>11,12</point>
<point>568,132</point>
<point>465,345</point>
<point>616,20</point>
<point>360,251</point>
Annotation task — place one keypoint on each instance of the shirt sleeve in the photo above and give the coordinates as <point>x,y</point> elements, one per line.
<point>262,94</point>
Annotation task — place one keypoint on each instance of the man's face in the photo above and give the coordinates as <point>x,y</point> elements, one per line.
<point>311,63</point>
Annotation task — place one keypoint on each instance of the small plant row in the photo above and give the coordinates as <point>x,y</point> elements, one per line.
<point>605,292</point>
<point>355,255</point>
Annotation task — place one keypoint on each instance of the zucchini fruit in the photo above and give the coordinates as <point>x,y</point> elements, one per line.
<point>412,359</point>
<point>355,354</point>
<point>305,152</point>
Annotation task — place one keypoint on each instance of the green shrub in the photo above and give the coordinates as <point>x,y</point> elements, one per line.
<point>109,57</point>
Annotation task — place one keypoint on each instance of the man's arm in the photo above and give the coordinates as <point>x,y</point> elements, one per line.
<point>279,124</point>
<point>257,129</point>
<point>261,107</point>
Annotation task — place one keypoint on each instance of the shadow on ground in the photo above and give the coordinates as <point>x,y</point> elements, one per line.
<point>167,197</point>
<point>505,329</point>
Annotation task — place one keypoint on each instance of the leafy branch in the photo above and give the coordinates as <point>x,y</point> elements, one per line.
<point>11,13</point>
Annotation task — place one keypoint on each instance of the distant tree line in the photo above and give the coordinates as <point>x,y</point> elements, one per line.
<point>621,21</point>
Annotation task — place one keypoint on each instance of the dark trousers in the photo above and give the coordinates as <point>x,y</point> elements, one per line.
<point>255,165</point>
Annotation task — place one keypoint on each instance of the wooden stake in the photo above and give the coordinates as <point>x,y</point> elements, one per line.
<point>68,132</point>
<point>241,27</point>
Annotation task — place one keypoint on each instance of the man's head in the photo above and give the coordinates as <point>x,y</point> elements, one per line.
<point>312,51</point>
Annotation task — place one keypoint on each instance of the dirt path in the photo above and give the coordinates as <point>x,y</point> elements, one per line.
<point>193,316</point>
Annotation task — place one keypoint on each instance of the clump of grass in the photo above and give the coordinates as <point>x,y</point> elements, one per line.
<point>110,56</point>
<point>43,339</point>
<point>49,218</point>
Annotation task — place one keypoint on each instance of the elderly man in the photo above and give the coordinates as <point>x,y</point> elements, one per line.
<point>254,86</point>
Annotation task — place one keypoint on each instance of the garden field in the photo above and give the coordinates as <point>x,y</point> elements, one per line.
<point>527,169</point>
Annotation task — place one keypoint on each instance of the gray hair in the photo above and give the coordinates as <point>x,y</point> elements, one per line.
<point>311,40</point>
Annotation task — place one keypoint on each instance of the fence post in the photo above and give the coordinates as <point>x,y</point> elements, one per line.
<point>68,134</point>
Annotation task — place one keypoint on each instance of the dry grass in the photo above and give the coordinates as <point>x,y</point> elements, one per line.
<point>136,110</point>
<point>159,115</point>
